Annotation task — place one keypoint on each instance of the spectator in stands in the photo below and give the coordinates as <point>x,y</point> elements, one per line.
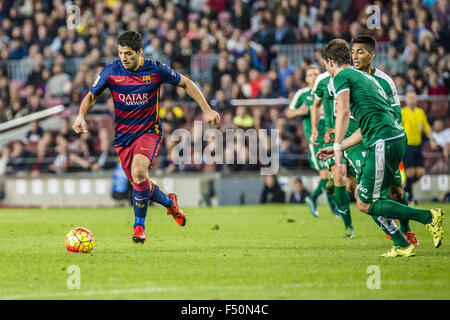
<point>434,86</point>
<point>34,104</point>
<point>255,80</point>
<point>272,192</point>
<point>59,85</point>
<point>415,123</point>
<point>221,68</point>
<point>442,137</point>
<point>4,159</point>
<point>307,16</point>
<point>106,158</point>
<point>395,65</point>
<point>300,193</point>
<point>66,131</point>
<point>35,133</point>
<point>221,104</point>
<point>42,159</point>
<point>61,162</point>
<point>288,154</point>
<point>266,91</point>
<point>226,85</point>
<point>4,115</point>
<point>284,69</point>
<point>82,159</point>
<point>4,88</point>
<point>168,32</point>
<point>320,34</point>
<point>16,110</point>
<point>19,160</point>
<point>338,27</point>
<point>243,119</point>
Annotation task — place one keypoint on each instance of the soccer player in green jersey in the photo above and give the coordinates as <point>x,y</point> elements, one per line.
<point>363,52</point>
<point>301,106</point>
<point>359,94</point>
<point>323,98</point>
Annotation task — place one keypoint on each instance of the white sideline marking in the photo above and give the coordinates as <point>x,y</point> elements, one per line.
<point>147,290</point>
<point>81,293</point>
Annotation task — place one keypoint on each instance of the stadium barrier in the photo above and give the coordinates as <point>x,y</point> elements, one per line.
<point>193,189</point>
<point>297,52</point>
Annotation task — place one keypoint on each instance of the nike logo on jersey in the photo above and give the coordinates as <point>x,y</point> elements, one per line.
<point>118,80</point>
<point>144,149</point>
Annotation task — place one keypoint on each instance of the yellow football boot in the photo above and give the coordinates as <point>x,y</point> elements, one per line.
<point>435,227</point>
<point>401,252</point>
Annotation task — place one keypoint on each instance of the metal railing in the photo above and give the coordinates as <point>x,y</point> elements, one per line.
<point>21,69</point>
<point>297,52</point>
<point>201,67</point>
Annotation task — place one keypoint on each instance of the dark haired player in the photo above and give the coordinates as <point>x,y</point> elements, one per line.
<point>363,52</point>
<point>134,83</point>
<point>360,94</point>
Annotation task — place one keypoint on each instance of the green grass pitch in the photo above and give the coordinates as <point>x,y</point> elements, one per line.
<point>248,252</point>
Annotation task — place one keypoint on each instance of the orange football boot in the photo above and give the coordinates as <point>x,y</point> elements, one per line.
<point>177,214</point>
<point>139,234</point>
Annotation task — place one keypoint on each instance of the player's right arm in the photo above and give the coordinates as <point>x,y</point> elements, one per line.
<point>315,117</point>
<point>87,104</point>
<point>297,107</point>
<point>88,101</point>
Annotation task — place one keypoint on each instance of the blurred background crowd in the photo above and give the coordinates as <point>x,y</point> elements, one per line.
<point>246,37</point>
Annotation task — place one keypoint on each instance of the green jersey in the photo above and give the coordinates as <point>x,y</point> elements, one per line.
<point>391,91</point>
<point>369,106</point>
<point>305,96</point>
<point>323,91</point>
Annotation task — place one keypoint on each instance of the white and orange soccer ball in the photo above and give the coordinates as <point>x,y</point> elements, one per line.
<point>79,240</point>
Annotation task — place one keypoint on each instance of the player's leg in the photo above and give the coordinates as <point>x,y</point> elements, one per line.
<point>381,163</point>
<point>342,199</point>
<point>322,167</point>
<point>396,193</point>
<point>140,194</point>
<point>311,200</point>
<point>324,178</point>
<point>147,146</point>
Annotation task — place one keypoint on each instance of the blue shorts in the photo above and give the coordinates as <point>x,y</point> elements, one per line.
<point>413,157</point>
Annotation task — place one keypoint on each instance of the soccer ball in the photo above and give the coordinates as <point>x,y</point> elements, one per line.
<point>79,240</point>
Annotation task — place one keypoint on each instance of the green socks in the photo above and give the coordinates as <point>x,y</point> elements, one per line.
<point>343,205</point>
<point>390,228</point>
<point>330,197</point>
<point>404,224</point>
<point>320,188</point>
<point>395,210</point>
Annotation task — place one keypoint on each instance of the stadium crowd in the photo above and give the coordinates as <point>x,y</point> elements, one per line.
<point>245,34</point>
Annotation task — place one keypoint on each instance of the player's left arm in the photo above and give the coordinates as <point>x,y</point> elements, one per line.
<point>342,115</point>
<point>194,92</point>
<point>315,117</point>
<point>328,152</point>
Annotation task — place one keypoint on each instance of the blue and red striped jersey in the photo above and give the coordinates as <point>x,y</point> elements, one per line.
<point>136,97</point>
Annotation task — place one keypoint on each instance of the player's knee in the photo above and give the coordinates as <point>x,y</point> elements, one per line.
<point>338,177</point>
<point>362,206</point>
<point>351,185</point>
<point>138,174</point>
<point>396,192</point>
<point>350,188</point>
<point>420,172</point>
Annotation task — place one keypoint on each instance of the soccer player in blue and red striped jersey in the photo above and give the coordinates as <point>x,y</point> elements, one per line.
<point>134,83</point>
